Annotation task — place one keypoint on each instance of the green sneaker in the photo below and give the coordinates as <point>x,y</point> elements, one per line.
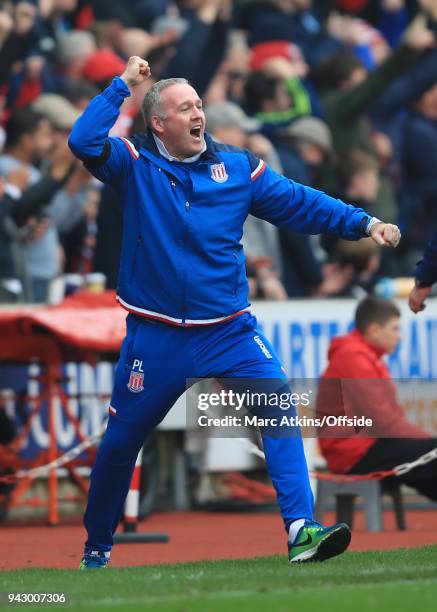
<point>317,543</point>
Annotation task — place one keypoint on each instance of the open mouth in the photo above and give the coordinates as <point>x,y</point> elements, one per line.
<point>196,132</point>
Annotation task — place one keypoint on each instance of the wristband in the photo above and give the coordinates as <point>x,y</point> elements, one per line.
<point>371,223</point>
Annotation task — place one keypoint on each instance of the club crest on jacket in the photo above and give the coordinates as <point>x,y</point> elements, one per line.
<point>218,173</point>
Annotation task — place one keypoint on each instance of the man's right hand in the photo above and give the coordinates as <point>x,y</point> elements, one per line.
<point>136,72</point>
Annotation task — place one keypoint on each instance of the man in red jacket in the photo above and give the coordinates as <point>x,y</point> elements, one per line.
<point>358,383</point>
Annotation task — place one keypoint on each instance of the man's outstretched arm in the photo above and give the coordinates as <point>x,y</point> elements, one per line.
<point>106,157</point>
<point>285,203</point>
<point>426,276</point>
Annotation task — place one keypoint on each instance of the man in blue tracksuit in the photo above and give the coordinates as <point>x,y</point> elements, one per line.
<point>182,279</point>
<point>425,277</point>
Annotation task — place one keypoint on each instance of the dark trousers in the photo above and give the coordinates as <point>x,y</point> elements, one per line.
<point>386,453</point>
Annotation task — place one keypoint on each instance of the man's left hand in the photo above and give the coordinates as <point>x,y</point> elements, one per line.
<point>385,234</point>
<point>417,297</point>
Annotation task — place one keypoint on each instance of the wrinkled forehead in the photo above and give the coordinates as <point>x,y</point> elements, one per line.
<point>178,94</point>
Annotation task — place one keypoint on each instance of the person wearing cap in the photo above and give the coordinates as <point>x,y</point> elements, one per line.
<point>73,50</point>
<point>68,204</point>
<point>227,122</point>
<point>101,66</point>
<point>305,149</point>
<point>182,279</point>
<point>58,110</point>
<point>314,132</point>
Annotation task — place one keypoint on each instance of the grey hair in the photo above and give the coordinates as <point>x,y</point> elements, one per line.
<point>151,104</point>
<point>77,44</point>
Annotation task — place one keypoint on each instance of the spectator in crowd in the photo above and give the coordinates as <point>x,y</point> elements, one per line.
<point>292,21</point>
<point>366,42</point>
<point>390,119</point>
<point>73,50</point>
<point>425,277</point>
<point>199,51</point>
<point>141,13</point>
<point>108,240</point>
<point>368,69</point>
<point>274,99</point>
<point>305,150</point>
<point>79,93</point>
<point>101,67</point>
<point>79,242</point>
<point>228,123</point>
<point>358,268</point>
<point>357,382</point>
<point>17,35</point>
<point>358,182</point>
<point>419,165</point>
<point>30,139</point>
<point>20,207</point>
<point>306,153</point>
<point>68,205</point>
<point>232,75</point>
<point>306,272</point>
<point>349,91</point>
<point>390,17</point>
<point>360,179</point>
<point>11,285</point>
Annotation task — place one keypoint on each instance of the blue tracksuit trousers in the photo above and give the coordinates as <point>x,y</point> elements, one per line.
<point>155,362</point>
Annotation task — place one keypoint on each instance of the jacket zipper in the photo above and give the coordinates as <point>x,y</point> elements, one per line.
<point>184,305</point>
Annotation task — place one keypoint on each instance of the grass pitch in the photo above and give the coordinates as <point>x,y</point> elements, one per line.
<point>395,580</point>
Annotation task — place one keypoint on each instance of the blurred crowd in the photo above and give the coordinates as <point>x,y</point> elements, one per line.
<point>338,94</point>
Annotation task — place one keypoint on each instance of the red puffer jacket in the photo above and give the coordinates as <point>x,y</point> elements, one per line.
<point>370,393</point>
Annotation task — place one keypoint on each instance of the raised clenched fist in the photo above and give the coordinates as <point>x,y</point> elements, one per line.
<point>385,234</point>
<point>136,72</point>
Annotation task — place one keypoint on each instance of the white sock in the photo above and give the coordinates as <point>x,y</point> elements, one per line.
<point>97,553</point>
<point>294,528</point>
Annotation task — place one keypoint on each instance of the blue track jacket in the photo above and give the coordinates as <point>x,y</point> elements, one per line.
<point>426,271</point>
<point>182,261</point>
